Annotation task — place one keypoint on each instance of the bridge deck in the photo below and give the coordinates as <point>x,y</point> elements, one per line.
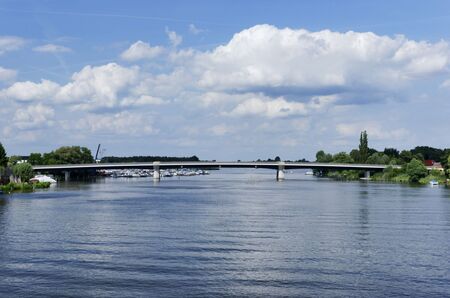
<point>208,164</point>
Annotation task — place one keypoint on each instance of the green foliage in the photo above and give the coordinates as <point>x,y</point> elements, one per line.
<point>429,178</point>
<point>321,156</point>
<point>428,152</point>
<point>41,185</point>
<point>419,156</point>
<point>354,154</point>
<point>416,170</point>
<point>391,152</point>
<point>363,147</point>
<point>12,187</point>
<point>402,178</point>
<point>406,156</point>
<point>35,159</point>
<point>344,175</point>
<point>378,158</point>
<point>68,155</point>
<point>3,157</point>
<point>14,159</point>
<point>342,157</point>
<point>388,173</point>
<point>23,170</point>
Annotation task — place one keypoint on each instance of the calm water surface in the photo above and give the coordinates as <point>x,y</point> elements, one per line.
<point>233,233</point>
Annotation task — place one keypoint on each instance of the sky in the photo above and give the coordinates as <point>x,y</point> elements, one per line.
<point>223,80</point>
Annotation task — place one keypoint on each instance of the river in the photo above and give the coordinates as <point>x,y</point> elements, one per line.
<point>232,233</point>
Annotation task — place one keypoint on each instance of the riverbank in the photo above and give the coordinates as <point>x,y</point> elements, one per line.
<point>23,187</point>
<point>390,175</point>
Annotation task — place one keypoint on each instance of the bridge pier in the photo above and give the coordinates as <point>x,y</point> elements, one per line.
<point>280,171</point>
<point>156,174</point>
<point>367,175</point>
<point>67,176</point>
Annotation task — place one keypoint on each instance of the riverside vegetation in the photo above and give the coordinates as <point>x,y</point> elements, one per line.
<point>21,172</point>
<point>412,168</point>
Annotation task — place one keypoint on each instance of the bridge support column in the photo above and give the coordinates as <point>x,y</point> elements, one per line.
<point>156,174</point>
<point>66,176</point>
<point>367,175</point>
<point>280,171</point>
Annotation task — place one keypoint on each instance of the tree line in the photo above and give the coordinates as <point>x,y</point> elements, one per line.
<point>412,161</point>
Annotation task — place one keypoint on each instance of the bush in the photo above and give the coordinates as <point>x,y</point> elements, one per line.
<point>12,187</point>
<point>416,170</point>
<point>402,178</point>
<point>41,185</point>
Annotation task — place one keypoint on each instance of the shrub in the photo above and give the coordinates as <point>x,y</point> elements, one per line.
<point>41,185</point>
<point>416,170</point>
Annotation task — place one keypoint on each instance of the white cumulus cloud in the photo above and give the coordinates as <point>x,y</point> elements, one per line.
<point>29,91</point>
<point>121,123</point>
<point>141,50</point>
<point>98,86</point>
<point>141,101</point>
<point>278,107</point>
<point>33,117</point>
<point>277,61</point>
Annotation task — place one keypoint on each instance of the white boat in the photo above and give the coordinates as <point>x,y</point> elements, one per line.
<point>434,182</point>
<point>309,173</point>
<point>42,178</point>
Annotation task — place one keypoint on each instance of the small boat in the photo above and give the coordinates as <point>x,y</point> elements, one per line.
<point>42,178</point>
<point>434,183</point>
<point>309,173</point>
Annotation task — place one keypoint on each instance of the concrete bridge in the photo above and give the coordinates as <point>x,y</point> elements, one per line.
<point>280,167</point>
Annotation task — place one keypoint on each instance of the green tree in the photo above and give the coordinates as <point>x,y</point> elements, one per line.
<point>391,152</point>
<point>321,156</point>
<point>406,156</point>
<point>68,155</point>
<point>415,169</point>
<point>378,158</point>
<point>35,159</point>
<point>23,170</point>
<point>342,157</point>
<point>3,157</point>
<point>354,154</point>
<point>428,152</point>
<point>363,147</point>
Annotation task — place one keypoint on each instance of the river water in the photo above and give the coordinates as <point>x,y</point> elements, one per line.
<point>232,233</point>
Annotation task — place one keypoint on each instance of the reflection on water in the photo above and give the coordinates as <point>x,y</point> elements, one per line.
<point>233,233</point>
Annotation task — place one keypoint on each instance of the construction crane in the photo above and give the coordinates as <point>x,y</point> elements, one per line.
<point>96,154</point>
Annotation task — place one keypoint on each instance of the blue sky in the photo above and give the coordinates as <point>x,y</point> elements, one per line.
<point>223,79</point>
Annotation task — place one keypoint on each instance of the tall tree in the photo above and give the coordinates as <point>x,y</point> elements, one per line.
<point>35,159</point>
<point>363,147</point>
<point>24,171</point>
<point>3,158</point>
